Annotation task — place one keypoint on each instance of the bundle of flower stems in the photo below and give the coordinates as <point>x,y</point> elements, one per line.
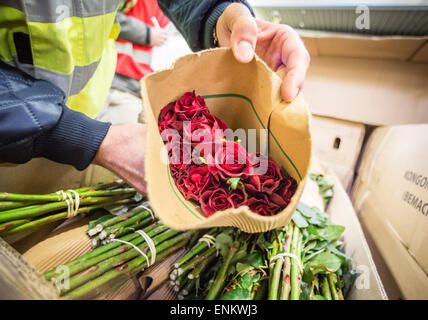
<point>21,212</point>
<point>302,260</point>
<point>107,267</point>
<point>103,230</point>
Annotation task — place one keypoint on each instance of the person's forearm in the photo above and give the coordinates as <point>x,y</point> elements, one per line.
<point>133,30</point>
<point>34,122</point>
<point>196,19</point>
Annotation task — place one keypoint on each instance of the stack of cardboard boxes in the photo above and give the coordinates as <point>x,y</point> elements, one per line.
<point>381,86</point>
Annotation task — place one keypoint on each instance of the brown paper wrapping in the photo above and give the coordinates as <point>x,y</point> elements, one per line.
<point>164,292</point>
<point>244,96</point>
<point>155,276</point>
<point>61,246</point>
<point>130,290</point>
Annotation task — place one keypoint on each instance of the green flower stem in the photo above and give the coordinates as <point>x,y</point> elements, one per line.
<point>52,218</point>
<point>325,288</point>
<point>38,210</point>
<point>332,285</point>
<point>112,262</point>
<point>221,275</point>
<point>295,270</point>
<point>200,246</point>
<point>285,283</point>
<point>99,251</point>
<point>120,274</point>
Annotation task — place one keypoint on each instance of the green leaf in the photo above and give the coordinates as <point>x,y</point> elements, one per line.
<point>332,232</point>
<point>304,294</point>
<point>308,276</point>
<point>310,246</point>
<point>263,243</point>
<point>254,259</point>
<point>325,261</point>
<point>234,183</point>
<point>246,281</point>
<point>305,210</point>
<point>321,245</point>
<point>299,220</point>
<point>223,242</point>
<point>340,254</point>
<point>242,266</point>
<point>237,294</point>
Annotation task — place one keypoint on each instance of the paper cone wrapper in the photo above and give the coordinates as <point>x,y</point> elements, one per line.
<point>243,96</point>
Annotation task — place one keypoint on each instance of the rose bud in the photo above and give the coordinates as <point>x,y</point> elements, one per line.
<point>214,200</point>
<point>261,204</point>
<point>231,160</point>
<point>198,179</point>
<point>190,106</point>
<point>285,191</point>
<point>238,197</point>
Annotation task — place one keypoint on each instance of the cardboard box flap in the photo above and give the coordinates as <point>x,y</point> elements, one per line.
<point>361,46</point>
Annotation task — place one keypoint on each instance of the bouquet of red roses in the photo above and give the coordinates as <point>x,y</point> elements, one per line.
<point>213,171</point>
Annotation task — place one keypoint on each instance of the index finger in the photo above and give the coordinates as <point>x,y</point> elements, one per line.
<point>296,59</point>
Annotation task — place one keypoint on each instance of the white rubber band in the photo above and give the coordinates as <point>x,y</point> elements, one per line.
<point>72,204</point>
<point>135,247</point>
<point>148,209</point>
<point>62,193</point>
<point>290,255</point>
<point>151,245</point>
<point>75,207</point>
<point>208,239</point>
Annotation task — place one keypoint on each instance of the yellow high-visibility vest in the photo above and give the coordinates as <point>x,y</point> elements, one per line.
<point>70,43</point>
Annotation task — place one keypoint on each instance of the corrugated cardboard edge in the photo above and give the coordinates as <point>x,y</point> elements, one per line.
<point>19,280</point>
<point>348,218</point>
<point>238,217</point>
<point>407,272</point>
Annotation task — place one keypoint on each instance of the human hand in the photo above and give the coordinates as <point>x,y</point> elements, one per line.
<point>157,36</point>
<point>278,45</point>
<point>122,152</point>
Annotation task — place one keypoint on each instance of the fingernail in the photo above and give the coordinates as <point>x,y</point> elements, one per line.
<point>245,51</point>
<point>291,93</point>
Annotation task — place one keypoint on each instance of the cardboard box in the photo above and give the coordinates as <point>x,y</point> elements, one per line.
<point>337,143</point>
<point>20,280</point>
<point>391,197</point>
<point>372,80</point>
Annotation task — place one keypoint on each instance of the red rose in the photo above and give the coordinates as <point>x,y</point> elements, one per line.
<point>285,191</point>
<point>238,197</point>
<point>189,106</point>
<point>168,118</point>
<point>267,182</point>
<point>179,153</point>
<point>231,160</point>
<point>214,200</point>
<point>178,170</point>
<point>196,181</point>
<point>261,204</point>
<point>203,128</point>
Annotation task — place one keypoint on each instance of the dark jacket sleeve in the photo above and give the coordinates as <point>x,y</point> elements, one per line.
<point>196,19</point>
<point>35,122</point>
<point>133,30</point>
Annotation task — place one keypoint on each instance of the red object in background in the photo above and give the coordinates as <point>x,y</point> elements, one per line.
<point>133,60</point>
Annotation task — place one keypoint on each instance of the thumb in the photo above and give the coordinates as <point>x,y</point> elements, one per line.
<point>244,37</point>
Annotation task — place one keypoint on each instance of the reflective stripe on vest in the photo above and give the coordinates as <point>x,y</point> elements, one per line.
<point>138,55</point>
<point>69,40</point>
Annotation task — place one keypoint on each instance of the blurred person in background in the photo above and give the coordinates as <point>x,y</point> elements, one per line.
<point>138,35</point>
